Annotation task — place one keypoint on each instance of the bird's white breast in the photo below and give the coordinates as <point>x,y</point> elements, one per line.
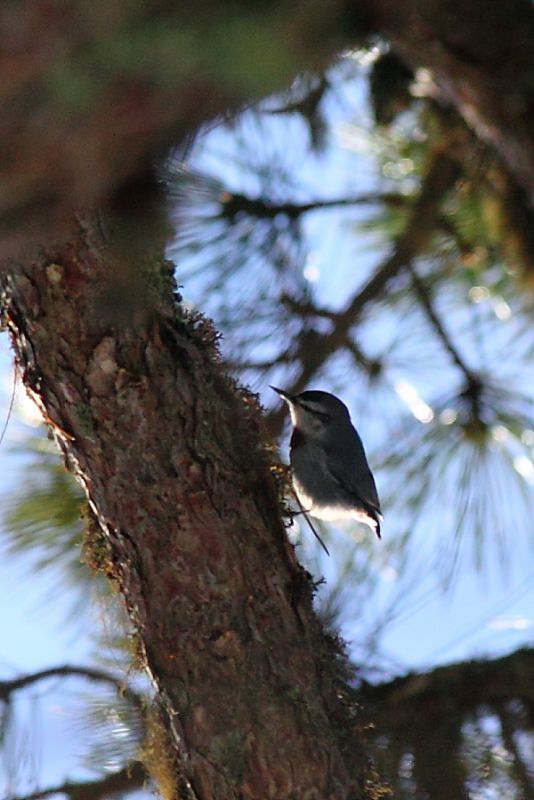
<point>331,513</point>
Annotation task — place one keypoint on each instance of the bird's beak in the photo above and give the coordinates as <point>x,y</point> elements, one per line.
<point>289,398</point>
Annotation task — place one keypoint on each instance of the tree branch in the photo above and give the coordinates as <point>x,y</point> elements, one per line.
<point>312,349</point>
<point>7,688</point>
<point>423,715</point>
<point>467,685</point>
<point>423,294</point>
<point>234,203</point>
<point>131,777</point>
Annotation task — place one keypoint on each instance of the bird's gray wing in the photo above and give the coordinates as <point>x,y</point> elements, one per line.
<point>349,468</point>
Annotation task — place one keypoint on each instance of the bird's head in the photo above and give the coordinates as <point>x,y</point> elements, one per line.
<point>314,412</point>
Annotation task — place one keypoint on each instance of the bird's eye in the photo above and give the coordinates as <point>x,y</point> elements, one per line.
<point>324,415</point>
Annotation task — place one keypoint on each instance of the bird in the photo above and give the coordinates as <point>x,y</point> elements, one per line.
<point>330,474</point>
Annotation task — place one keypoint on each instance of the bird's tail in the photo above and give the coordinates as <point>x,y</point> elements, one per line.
<point>370,517</point>
<point>377,528</point>
<point>375,518</point>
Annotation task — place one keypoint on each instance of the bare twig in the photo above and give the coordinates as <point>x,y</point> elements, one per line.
<point>312,528</point>
<point>11,404</point>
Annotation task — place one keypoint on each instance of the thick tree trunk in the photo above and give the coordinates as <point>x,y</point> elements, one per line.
<point>170,455</point>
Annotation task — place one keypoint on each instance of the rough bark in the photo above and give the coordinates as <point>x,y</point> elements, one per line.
<point>169,453</point>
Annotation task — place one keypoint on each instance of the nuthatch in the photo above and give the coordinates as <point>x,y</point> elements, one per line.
<point>331,476</point>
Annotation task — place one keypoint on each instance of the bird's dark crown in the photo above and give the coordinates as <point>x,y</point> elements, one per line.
<point>317,402</point>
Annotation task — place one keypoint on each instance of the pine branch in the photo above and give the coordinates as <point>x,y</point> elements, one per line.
<point>235,203</point>
<point>372,366</point>
<point>466,684</point>
<point>424,296</point>
<point>7,688</point>
<point>439,180</point>
<point>131,777</point>
<point>308,104</point>
<point>305,308</point>
<point>425,715</point>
